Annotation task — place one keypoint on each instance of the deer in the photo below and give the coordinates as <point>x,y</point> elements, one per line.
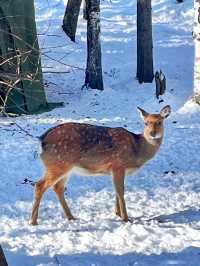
<point>93,150</point>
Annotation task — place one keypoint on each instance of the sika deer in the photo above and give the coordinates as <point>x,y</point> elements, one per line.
<point>96,150</point>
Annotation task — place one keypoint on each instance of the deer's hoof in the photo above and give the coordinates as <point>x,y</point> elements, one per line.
<point>31,222</point>
<point>127,219</point>
<point>71,218</point>
<point>118,214</point>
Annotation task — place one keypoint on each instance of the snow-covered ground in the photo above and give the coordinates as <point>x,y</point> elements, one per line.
<point>163,196</point>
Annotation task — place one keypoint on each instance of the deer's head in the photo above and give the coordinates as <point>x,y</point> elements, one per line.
<point>154,127</point>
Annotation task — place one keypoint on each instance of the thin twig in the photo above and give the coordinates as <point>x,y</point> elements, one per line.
<point>12,76</point>
<point>55,72</point>
<point>14,57</point>
<point>60,62</point>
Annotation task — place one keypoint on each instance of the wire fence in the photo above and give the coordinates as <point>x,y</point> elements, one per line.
<point>11,62</point>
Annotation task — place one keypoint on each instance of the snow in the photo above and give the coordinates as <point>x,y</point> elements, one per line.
<point>163,197</point>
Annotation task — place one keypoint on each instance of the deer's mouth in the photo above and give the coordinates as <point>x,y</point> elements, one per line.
<point>157,136</point>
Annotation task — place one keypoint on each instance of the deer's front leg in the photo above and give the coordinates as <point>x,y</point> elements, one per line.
<point>117,207</point>
<point>118,181</point>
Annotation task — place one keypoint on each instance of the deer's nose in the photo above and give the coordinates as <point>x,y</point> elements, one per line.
<point>153,133</point>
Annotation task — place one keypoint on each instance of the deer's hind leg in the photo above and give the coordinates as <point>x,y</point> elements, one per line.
<point>59,189</point>
<point>40,187</point>
<point>51,177</point>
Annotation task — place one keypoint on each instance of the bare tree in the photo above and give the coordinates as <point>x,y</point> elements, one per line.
<point>3,261</point>
<point>71,18</point>
<point>145,71</point>
<point>93,74</point>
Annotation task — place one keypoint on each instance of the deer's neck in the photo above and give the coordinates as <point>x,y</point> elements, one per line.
<point>148,147</point>
<point>154,142</point>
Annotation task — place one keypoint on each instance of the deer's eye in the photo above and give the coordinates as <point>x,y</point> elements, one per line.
<point>146,123</point>
<point>159,123</point>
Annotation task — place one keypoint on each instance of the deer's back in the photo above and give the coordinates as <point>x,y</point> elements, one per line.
<point>89,146</point>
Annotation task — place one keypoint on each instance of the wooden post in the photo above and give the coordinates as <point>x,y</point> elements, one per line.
<point>145,71</point>
<point>160,81</point>
<point>71,18</point>
<point>3,261</point>
<point>93,75</point>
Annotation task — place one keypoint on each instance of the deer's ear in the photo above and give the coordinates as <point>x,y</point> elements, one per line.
<point>165,112</point>
<point>142,112</point>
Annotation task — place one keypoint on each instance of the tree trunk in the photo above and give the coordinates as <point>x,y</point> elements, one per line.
<point>144,42</point>
<point>84,10</point>
<point>93,75</point>
<point>71,18</point>
<point>196,37</point>
<point>2,258</point>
